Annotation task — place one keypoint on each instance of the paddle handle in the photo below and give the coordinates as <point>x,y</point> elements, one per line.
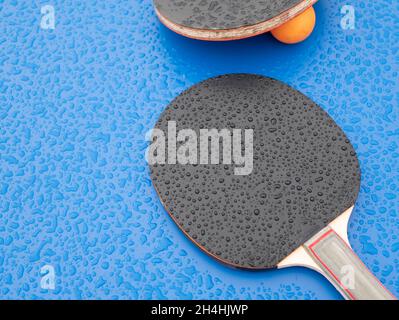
<point>344,269</point>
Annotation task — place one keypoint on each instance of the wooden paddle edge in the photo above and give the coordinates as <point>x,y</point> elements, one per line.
<point>237,33</point>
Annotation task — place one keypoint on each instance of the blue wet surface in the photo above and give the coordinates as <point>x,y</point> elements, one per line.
<point>76,102</point>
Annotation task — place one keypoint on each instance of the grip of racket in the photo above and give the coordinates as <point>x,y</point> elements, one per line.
<point>344,269</point>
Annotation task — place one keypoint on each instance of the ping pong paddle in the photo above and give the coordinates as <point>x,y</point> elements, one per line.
<point>227,20</point>
<point>292,204</point>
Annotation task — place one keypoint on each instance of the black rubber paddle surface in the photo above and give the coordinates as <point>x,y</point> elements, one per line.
<point>222,14</point>
<point>305,171</point>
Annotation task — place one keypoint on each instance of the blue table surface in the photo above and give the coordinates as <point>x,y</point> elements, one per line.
<point>76,102</point>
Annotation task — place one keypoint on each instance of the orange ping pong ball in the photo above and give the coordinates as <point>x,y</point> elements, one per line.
<point>297,29</point>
